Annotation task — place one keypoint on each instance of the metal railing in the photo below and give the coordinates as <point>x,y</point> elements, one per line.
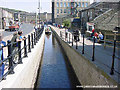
<point>21,52</point>
<point>94,48</point>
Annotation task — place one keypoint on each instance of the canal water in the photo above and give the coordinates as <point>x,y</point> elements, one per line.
<point>55,70</point>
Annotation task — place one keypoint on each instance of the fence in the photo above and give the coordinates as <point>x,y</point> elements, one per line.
<point>8,64</point>
<point>90,51</point>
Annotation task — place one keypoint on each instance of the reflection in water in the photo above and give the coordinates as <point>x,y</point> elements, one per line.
<point>53,72</point>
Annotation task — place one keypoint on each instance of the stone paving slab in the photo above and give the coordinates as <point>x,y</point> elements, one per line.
<point>103,57</point>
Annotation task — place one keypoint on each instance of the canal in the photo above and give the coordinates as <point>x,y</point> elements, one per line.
<point>55,70</point>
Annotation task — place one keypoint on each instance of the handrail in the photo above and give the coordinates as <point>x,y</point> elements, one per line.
<point>10,60</point>
<point>84,51</point>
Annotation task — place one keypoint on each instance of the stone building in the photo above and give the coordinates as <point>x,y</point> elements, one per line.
<point>46,16</point>
<point>0,18</point>
<point>5,17</point>
<point>67,7</point>
<point>97,13</point>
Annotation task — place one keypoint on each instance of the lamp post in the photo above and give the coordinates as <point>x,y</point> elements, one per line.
<point>39,13</point>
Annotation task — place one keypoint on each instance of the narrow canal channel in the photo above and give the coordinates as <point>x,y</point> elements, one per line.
<point>55,71</point>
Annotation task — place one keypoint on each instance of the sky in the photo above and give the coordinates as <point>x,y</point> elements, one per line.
<point>28,5</point>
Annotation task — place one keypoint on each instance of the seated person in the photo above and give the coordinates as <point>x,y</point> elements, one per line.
<point>96,35</point>
<point>100,36</point>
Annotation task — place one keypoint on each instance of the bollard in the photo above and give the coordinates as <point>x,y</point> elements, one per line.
<point>72,39</point>
<point>19,53</point>
<point>10,58</point>
<point>29,44</point>
<point>76,43</point>
<point>69,38</point>
<point>32,40</point>
<point>60,33</point>
<point>36,36</point>
<point>65,36</point>
<point>25,48</point>
<point>83,45</point>
<point>93,56</point>
<point>113,59</point>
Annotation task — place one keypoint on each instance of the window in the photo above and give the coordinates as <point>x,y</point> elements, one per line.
<point>61,10</point>
<point>61,4</point>
<point>57,4</point>
<point>68,4</point>
<point>79,4</point>
<point>57,10</point>
<point>86,4</point>
<point>68,11</point>
<point>75,4</point>
<point>65,10</point>
<point>83,4</point>
<point>64,4</point>
<point>72,4</point>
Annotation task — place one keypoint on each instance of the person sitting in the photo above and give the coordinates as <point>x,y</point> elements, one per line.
<point>100,36</point>
<point>96,35</point>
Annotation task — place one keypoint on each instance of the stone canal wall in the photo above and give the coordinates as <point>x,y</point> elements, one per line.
<point>26,73</point>
<point>86,72</point>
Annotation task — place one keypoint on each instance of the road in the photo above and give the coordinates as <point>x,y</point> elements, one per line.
<point>26,28</point>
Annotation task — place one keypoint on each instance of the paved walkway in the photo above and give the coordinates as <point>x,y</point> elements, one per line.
<point>103,57</point>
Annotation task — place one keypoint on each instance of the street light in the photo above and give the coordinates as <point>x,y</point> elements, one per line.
<point>39,12</point>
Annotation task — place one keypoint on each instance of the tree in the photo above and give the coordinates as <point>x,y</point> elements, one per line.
<point>67,23</point>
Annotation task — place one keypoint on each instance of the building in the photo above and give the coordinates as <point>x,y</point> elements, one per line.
<point>5,17</point>
<point>102,16</point>
<point>0,18</point>
<point>67,7</point>
<point>45,16</point>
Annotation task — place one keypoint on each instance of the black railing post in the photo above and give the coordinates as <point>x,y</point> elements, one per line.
<point>93,56</point>
<point>113,59</point>
<point>36,36</point>
<point>19,53</point>
<point>10,58</point>
<point>32,40</point>
<point>60,33</point>
<point>69,38</point>
<point>25,48</point>
<point>29,44</point>
<point>65,35</point>
<point>76,42</point>
<point>83,45</point>
<point>72,39</point>
<point>40,33</point>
